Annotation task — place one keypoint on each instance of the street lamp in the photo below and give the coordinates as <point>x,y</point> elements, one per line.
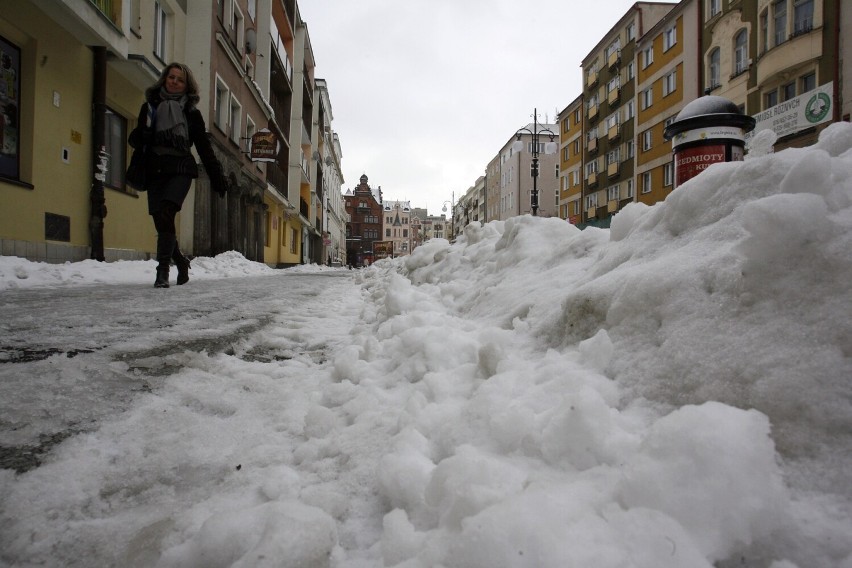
<point>549,148</point>
<point>452,214</point>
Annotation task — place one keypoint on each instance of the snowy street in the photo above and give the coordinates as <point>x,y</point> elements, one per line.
<point>672,392</point>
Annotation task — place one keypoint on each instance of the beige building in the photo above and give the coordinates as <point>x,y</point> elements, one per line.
<point>396,227</point>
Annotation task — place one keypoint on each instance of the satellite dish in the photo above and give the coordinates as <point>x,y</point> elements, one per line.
<point>251,40</point>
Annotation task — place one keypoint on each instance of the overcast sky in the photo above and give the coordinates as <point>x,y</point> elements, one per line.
<point>426,92</point>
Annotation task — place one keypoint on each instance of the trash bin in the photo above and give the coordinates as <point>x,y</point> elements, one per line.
<point>708,130</point>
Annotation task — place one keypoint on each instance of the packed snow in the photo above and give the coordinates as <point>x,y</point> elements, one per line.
<point>670,392</point>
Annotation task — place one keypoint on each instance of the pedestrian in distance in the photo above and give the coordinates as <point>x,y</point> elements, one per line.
<point>169,125</point>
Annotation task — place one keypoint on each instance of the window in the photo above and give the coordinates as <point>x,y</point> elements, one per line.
<point>631,149</point>
<point>764,31</point>
<point>135,16</point>
<point>591,168</point>
<point>779,10</point>
<point>220,106</point>
<point>614,84</point>
<point>252,9</point>
<point>614,47</point>
<point>788,91</point>
<point>668,174</point>
<point>578,116</point>
<point>613,157</point>
<point>10,130</point>
<point>293,236</point>
<point>629,193</point>
<point>576,177</point>
<point>116,147</point>
<point>631,31</point>
<point>612,120</point>
<point>714,68</point>
<point>612,192</point>
<point>669,83</point>
<point>576,146</point>
<point>771,99</point>
<point>646,182</point>
<point>647,98</point>
<point>630,110</point>
<point>160,31</point>
<point>591,201</point>
<point>387,232</point>
<point>575,206</point>
<point>714,7</point>
<point>236,29</point>
<point>803,16</point>
<point>251,128</point>
<point>647,56</point>
<point>670,38</point>
<point>740,52</point>
<point>808,82</point>
<point>631,70</point>
<point>647,140</point>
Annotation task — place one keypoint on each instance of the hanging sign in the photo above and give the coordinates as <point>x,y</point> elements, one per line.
<point>264,146</point>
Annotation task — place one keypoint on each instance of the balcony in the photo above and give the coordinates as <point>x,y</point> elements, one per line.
<point>111,9</point>
<point>593,112</point>
<point>592,144</point>
<point>592,179</point>
<point>612,206</point>
<point>613,58</point>
<point>591,78</point>
<point>612,169</point>
<point>613,132</point>
<point>591,212</point>
<point>613,96</point>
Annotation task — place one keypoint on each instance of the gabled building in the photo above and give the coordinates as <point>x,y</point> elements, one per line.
<point>397,230</point>
<point>364,208</point>
<point>330,182</point>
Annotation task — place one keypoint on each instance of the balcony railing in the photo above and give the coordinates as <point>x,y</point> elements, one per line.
<point>109,8</point>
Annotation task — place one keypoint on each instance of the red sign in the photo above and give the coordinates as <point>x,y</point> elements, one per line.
<point>692,161</point>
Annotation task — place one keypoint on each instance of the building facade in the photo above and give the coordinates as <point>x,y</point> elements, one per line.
<point>667,79</point>
<point>62,190</point>
<point>571,147</point>
<point>610,100</point>
<point>397,229</point>
<point>365,211</point>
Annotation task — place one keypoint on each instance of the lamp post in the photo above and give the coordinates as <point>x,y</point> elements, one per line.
<point>518,146</point>
<point>452,213</point>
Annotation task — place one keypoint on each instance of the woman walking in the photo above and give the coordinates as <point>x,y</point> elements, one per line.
<point>169,124</point>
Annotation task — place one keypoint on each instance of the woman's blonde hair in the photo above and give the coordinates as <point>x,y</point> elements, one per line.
<point>191,84</point>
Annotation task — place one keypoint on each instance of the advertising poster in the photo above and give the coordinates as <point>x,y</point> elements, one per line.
<point>10,73</point>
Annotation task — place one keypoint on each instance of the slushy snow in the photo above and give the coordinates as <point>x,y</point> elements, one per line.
<point>670,392</point>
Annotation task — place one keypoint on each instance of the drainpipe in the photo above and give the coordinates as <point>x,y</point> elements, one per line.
<point>100,158</point>
<point>837,110</point>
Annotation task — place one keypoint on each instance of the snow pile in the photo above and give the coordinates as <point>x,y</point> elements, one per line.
<point>672,392</point>
<point>18,272</point>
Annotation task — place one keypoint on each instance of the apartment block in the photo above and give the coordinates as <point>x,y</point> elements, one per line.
<point>571,147</point>
<point>609,92</point>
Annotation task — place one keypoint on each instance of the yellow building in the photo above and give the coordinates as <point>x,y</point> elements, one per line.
<point>667,79</point>
<point>72,66</point>
<point>571,161</point>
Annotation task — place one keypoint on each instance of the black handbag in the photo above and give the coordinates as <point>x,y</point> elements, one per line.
<point>135,176</point>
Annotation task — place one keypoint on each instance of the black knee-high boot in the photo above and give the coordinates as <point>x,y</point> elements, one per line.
<point>182,264</point>
<point>165,247</point>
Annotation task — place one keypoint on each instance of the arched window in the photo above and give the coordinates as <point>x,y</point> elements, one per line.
<point>713,69</point>
<point>740,52</point>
